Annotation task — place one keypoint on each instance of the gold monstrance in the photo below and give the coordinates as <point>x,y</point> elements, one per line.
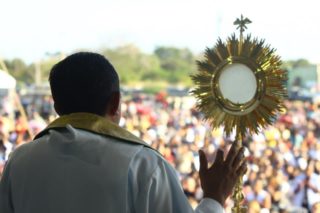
<point>240,86</point>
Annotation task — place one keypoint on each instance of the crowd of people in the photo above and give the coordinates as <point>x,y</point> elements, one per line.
<point>284,159</point>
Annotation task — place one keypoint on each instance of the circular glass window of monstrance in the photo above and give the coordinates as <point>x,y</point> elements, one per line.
<point>237,83</point>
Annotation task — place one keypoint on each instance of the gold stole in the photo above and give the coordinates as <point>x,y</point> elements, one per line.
<point>93,123</point>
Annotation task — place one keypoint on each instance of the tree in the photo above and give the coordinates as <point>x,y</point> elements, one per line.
<point>131,64</point>
<point>295,63</point>
<point>18,69</point>
<point>179,63</point>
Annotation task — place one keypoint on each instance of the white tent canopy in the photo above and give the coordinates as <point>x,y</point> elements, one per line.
<point>7,81</point>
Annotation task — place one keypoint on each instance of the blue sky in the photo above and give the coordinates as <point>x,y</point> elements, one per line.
<point>31,28</point>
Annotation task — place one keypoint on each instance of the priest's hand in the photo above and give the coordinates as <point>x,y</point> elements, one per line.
<point>218,181</point>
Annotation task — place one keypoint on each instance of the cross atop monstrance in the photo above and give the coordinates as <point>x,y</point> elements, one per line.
<point>242,23</point>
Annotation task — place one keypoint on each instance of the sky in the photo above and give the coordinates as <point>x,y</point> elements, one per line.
<point>30,29</point>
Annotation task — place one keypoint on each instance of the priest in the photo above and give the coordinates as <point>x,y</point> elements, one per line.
<point>84,162</point>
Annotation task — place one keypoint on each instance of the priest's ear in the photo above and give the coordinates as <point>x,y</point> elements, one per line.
<point>114,107</point>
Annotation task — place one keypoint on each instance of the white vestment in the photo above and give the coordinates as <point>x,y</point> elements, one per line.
<point>76,171</point>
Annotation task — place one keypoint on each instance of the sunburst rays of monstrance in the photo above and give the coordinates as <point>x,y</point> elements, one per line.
<point>240,86</point>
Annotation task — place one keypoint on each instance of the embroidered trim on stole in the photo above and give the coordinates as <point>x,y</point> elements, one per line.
<point>93,123</point>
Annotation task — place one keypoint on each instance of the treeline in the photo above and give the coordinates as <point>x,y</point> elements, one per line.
<point>166,64</point>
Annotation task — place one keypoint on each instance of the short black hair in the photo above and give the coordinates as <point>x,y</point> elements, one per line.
<point>83,82</point>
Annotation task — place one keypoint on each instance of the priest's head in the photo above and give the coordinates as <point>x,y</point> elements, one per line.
<point>86,82</point>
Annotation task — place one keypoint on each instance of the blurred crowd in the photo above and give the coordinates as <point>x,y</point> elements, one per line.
<point>284,159</point>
